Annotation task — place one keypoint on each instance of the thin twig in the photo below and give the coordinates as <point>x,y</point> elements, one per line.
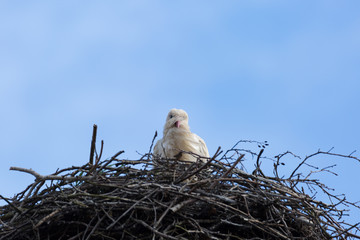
<point>93,143</point>
<point>154,230</point>
<point>40,177</point>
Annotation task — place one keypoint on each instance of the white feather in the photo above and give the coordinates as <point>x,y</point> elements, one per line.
<point>178,138</point>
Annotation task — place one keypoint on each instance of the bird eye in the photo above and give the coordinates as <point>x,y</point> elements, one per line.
<point>171,116</point>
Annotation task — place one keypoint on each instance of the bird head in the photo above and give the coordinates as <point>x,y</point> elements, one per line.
<point>176,118</point>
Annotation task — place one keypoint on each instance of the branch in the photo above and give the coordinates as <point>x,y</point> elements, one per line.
<point>40,177</point>
<point>201,168</point>
<point>93,142</point>
<point>46,218</point>
<point>152,142</point>
<point>154,230</point>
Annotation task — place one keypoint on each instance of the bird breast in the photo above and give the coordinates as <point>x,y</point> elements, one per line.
<point>177,140</point>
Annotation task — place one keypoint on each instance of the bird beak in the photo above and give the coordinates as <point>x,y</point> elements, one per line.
<point>177,124</point>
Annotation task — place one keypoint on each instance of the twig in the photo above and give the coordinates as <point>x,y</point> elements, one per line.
<point>129,209</point>
<point>11,205</point>
<point>93,143</point>
<point>228,171</point>
<point>178,206</point>
<point>258,169</point>
<point>40,177</point>
<point>95,227</point>
<point>100,154</point>
<point>152,142</point>
<point>154,230</point>
<point>46,218</point>
<point>201,168</point>
<point>137,202</point>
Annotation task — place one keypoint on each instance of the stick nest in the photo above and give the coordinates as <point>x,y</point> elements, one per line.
<point>168,199</point>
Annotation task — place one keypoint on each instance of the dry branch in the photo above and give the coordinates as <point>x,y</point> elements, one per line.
<point>93,143</point>
<point>137,199</point>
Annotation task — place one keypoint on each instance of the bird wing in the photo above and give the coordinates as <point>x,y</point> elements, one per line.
<point>158,149</point>
<point>202,148</point>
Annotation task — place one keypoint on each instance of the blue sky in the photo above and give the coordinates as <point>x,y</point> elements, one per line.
<point>282,71</point>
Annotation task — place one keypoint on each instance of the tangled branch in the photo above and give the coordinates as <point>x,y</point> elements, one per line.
<point>168,199</point>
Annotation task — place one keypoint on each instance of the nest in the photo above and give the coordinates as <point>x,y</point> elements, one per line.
<point>168,199</point>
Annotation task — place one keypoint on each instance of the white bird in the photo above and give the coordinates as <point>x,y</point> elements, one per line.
<point>178,140</point>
